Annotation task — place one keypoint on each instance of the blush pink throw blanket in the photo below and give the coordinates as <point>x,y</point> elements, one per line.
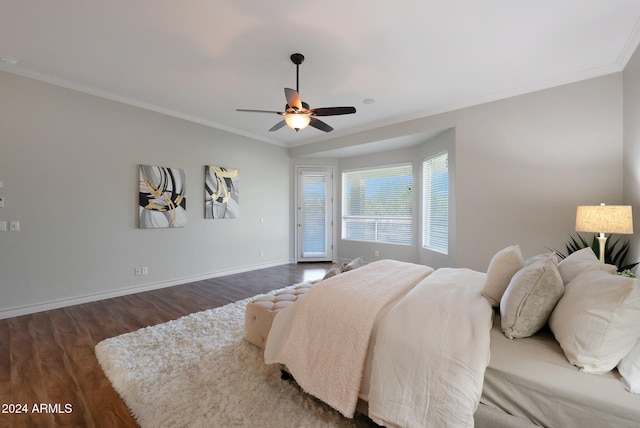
<point>326,347</point>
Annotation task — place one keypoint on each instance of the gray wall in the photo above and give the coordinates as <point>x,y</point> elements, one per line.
<point>69,165</point>
<point>525,163</point>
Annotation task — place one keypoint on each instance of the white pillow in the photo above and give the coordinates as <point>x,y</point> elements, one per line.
<point>502,267</point>
<point>582,261</point>
<point>530,298</point>
<point>597,320</point>
<point>629,369</point>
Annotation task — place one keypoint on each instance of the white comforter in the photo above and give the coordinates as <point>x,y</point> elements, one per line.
<point>431,352</point>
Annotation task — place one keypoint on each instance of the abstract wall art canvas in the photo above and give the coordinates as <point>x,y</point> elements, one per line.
<point>221,192</point>
<point>162,197</point>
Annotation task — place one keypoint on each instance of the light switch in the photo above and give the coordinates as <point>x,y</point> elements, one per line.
<point>14,226</point>
<point>3,226</point>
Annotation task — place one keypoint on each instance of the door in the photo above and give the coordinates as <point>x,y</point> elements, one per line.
<point>314,220</point>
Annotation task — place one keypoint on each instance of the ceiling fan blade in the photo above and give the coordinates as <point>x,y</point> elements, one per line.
<point>293,98</point>
<point>332,111</point>
<point>278,125</point>
<point>318,124</point>
<point>260,111</point>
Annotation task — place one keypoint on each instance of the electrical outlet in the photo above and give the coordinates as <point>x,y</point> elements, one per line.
<point>3,226</point>
<point>376,253</point>
<point>14,226</point>
<point>145,270</point>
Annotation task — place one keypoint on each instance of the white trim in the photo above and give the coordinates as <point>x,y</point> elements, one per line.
<point>629,47</point>
<point>61,303</point>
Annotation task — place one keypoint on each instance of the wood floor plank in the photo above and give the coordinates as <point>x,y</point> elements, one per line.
<point>5,363</point>
<point>59,386</point>
<point>48,358</point>
<point>99,402</point>
<point>26,382</point>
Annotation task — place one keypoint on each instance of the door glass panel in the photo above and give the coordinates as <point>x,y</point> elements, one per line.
<point>314,215</point>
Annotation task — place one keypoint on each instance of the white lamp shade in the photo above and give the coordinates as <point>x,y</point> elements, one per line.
<point>604,219</point>
<point>297,121</point>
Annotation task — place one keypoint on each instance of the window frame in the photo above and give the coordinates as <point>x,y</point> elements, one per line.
<point>427,219</point>
<point>389,219</point>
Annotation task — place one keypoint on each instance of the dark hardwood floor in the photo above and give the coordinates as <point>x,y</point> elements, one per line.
<point>48,358</point>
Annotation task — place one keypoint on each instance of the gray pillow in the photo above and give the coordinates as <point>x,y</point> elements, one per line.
<point>336,269</point>
<point>530,298</point>
<point>354,264</point>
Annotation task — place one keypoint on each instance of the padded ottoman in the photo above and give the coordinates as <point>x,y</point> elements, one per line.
<point>263,309</point>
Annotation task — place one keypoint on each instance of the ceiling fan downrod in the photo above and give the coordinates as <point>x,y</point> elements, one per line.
<point>297,59</point>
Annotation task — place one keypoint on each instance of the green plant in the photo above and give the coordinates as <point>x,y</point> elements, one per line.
<point>613,254</point>
<point>627,273</point>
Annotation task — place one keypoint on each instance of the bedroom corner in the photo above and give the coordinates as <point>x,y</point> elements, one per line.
<point>631,152</point>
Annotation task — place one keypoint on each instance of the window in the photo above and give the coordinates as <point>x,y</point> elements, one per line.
<point>435,209</point>
<point>377,204</point>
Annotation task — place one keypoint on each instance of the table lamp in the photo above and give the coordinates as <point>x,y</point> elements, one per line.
<point>603,219</point>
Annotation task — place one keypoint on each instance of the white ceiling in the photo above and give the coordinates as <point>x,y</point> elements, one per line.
<point>202,59</point>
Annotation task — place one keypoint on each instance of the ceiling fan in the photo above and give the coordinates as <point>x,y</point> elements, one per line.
<point>297,114</point>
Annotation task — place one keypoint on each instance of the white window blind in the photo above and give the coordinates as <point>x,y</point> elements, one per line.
<point>377,204</point>
<point>314,209</point>
<point>435,209</point>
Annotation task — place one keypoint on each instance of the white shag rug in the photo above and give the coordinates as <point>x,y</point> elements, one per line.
<point>198,371</point>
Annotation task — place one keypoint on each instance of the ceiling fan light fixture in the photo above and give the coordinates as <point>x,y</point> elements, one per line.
<point>297,121</point>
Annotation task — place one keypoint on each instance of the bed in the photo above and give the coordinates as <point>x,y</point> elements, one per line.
<point>414,346</point>
<point>531,378</point>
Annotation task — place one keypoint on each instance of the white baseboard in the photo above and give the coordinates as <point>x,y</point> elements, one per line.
<point>61,303</point>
